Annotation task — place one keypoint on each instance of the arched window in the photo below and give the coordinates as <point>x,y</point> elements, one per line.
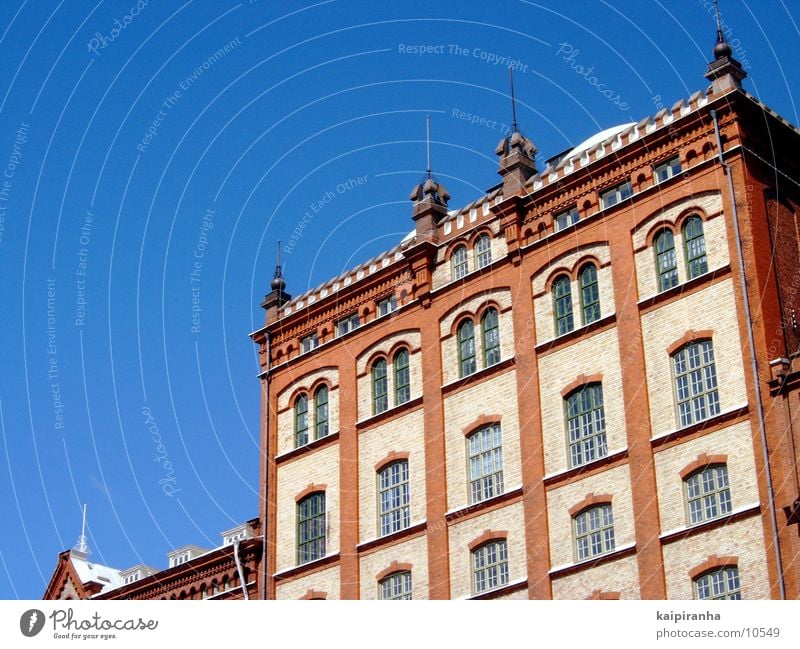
<point>694,242</point>
<point>490,565</point>
<point>466,348</point>
<point>562,305</point>
<point>393,497</point>
<point>594,532</point>
<point>380,396</point>
<point>311,527</point>
<point>460,262</point>
<point>396,586</point>
<point>301,420</point>
<point>483,251</point>
<point>695,382</point>
<point>402,378</point>
<point>590,294</point>
<point>586,424</point>
<point>666,261</point>
<point>708,494</point>
<point>720,583</point>
<point>491,338</point>
<point>485,457</point>
<point>321,411</point>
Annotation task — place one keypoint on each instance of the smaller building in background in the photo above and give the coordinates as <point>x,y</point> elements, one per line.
<point>229,571</point>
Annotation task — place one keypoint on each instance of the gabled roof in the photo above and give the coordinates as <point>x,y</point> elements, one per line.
<point>75,577</point>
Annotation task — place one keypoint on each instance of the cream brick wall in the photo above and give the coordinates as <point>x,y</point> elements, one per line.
<point>449,343</point>
<point>442,274</point>
<point>412,339</point>
<point>735,442</point>
<point>318,467</point>
<point>404,434</point>
<point>518,594</point>
<point>712,308</point>
<point>620,576</point>
<point>286,412</point>
<point>744,539</point>
<point>414,552</point>
<point>543,304</point>
<point>615,482</point>
<point>326,581</point>
<point>509,519</point>
<point>494,396</point>
<point>597,354</point>
<point>715,235</point>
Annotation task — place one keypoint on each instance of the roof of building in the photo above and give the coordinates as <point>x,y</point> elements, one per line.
<point>110,578</point>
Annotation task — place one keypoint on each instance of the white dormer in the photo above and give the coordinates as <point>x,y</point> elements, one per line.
<point>136,573</point>
<point>239,533</point>
<point>184,554</point>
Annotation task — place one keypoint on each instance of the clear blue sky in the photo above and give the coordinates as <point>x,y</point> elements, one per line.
<point>133,155</point>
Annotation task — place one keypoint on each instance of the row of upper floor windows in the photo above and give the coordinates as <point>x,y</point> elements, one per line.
<point>679,255</point>
<point>694,387</point>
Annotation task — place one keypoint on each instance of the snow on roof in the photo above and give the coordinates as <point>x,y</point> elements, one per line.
<point>87,571</point>
<point>597,138</point>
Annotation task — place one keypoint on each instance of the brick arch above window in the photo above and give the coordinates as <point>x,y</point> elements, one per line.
<point>688,213</point>
<point>484,229</point>
<point>310,489</point>
<point>701,462</point>
<point>390,458</point>
<point>375,357</point>
<point>302,384</point>
<point>461,242</point>
<point>399,345</point>
<point>488,535</point>
<point>316,385</point>
<point>657,229</point>
<point>691,336</point>
<point>713,562</point>
<point>580,381</point>
<point>480,422</point>
<point>457,321</point>
<point>591,500</point>
<point>393,568</point>
<point>314,594</point>
<point>560,271</point>
<point>483,308</point>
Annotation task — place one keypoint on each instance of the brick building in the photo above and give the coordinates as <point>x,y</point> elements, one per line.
<point>229,571</point>
<point>583,384</point>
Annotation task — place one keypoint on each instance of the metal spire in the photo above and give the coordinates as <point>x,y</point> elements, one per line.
<point>278,283</point>
<point>81,545</point>
<point>720,36</point>
<point>513,101</point>
<point>428,143</point>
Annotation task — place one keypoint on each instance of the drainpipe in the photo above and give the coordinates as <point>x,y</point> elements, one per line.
<point>265,450</point>
<point>754,365</point>
<point>239,568</point>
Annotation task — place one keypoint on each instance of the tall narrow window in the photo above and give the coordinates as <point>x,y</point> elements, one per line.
<point>708,494</point>
<point>722,583</point>
<point>393,495</point>
<point>380,396</point>
<point>695,243</point>
<point>590,294</point>
<point>594,532</point>
<point>311,528</point>
<point>695,382</point>
<point>402,378</point>
<point>460,262</point>
<point>485,451</point>
<point>321,411</point>
<point>491,338</point>
<point>490,565</point>
<point>483,251</point>
<point>396,586</point>
<point>586,424</point>
<point>301,420</point>
<point>466,348</point>
<point>666,262</point>
<point>562,305</point>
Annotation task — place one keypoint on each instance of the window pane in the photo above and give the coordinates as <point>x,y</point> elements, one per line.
<point>485,463</point>
<point>490,565</point>
<point>562,305</point>
<point>594,532</point>
<point>708,494</point>
<point>394,498</point>
<point>586,424</point>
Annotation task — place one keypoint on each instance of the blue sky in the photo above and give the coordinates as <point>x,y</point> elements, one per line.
<point>153,154</point>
